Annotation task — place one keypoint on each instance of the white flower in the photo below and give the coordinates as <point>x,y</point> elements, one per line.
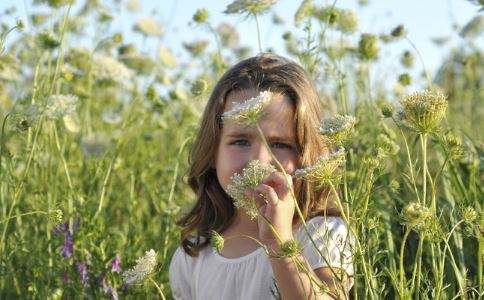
<point>149,27</point>
<point>248,111</point>
<point>337,128</point>
<point>144,266</point>
<point>251,176</point>
<point>249,6</point>
<point>327,169</point>
<point>106,68</point>
<point>59,105</point>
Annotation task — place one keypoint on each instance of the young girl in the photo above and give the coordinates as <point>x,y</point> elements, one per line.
<point>242,269</point>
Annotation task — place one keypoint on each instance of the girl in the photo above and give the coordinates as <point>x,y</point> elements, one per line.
<point>242,269</point>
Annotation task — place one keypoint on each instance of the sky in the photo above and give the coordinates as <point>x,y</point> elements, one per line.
<point>423,20</point>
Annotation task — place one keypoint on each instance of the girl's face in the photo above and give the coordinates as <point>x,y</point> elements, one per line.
<point>239,144</point>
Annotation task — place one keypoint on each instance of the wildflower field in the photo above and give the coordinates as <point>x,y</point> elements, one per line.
<point>95,134</point>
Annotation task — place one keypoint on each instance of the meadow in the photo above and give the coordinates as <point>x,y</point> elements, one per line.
<point>95,137</point>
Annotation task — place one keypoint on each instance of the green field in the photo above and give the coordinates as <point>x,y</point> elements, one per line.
<point>95,137</point>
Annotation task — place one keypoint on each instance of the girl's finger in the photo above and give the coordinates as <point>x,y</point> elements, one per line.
<point>277,181</point>
<point>266,194</point>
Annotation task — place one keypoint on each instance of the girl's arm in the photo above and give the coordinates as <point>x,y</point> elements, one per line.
<point>299,286</point>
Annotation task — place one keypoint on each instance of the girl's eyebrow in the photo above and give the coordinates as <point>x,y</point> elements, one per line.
<point>273,138</point>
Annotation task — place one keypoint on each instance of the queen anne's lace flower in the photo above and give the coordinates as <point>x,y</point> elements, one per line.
<point>249,6</point>
<point>337,128</point>
<point>149,27</point>
<point>423,110</point>
<point>60,105</point>
<point>144,266</point>
<point>327,169</point>
<point>416,214</point>
<point>251,176</point>
<point>250,111</point>
<point>106,68</point>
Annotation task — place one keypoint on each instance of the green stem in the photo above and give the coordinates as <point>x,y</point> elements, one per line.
<point>162,296</point>
<point>258,32</point>
<point>423,143</point>
<point>24,214</point>
<point>409,159</point>
<point>402,249</point>
<point>298,210</point>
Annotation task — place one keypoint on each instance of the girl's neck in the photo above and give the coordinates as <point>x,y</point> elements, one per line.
<point>242,224</point>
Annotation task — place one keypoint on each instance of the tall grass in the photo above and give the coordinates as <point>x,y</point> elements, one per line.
<point>94,140</point>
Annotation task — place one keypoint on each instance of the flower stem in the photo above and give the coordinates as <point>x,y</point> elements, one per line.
<point>162,296</point>
<point>258,32</point>
<point>402,249</point>
<point>298,210</point>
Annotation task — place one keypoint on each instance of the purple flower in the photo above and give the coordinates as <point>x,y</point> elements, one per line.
<point>68,247</point>
<point>116,264</point>
<point>82,269</point>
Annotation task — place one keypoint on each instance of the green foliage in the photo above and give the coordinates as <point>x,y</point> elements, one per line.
<point>103,180</point>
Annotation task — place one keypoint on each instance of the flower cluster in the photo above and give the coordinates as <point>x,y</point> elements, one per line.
<point>248,112</point>
<point>423,110</point>
<point>148,26</point>
<point>337,128</point>
<point>217,240</point>
<point>60,105</point>
<point>249,6</point>
<point>108,69</point>
<point>416,214</point>
<point>144,266</point>
<point>252,175</point>
<point>287,249</point>
<point>328,169</point>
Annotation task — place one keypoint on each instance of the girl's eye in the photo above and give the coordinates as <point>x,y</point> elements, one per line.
<point>281,145</point>
<point>240,143</point>
<point>246,143</point>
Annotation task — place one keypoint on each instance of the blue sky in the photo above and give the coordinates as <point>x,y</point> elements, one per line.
<point>423,19</point>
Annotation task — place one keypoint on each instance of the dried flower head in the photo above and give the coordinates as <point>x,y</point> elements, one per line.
<point>337,128</point>
<point>469,214</point>
<point>144,266</point>
<point>149,27</point>
<point>249,6</point>
<point>407,59</point>
<point>398,31</point>
<point>405,79</point>
<point>387,110</point>
<point>287,249</point>
<point>387,145</point>
<point>55,216</point>
<point>368,47</point>
<point>453,145</point>
<point>424,110</point>
<point>416,214</point>
<point>304,11</point>
<point>249,111</point>
<point>198,87</point>
<point>200,16</point>
<point>328,169</point>
<point>252,175</point>
<point>60,105</point>
<point>216,240</point>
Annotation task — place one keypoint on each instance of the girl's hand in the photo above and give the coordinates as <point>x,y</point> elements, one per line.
<point>274,200</point>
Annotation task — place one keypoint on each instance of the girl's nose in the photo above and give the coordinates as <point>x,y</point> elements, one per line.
<point>261,153</point>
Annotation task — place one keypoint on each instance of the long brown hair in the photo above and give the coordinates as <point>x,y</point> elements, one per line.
<point>214,210</point>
